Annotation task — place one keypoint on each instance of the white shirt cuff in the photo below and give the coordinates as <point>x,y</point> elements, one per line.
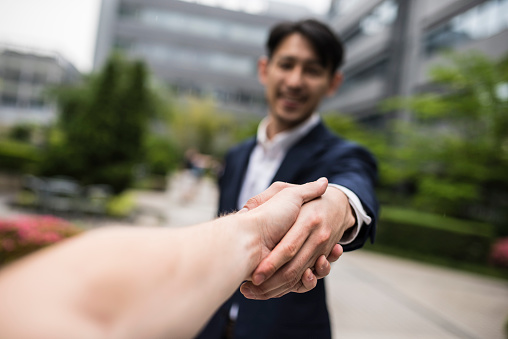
<point>361,215</point>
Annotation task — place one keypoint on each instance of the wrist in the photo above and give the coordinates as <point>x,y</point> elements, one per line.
<point>247,230</point>
<point>339,198</point>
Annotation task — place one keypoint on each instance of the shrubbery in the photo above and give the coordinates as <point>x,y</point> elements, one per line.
<point>434,235</point>
<point>102,127</point>
<point>18,156</point>
<point>499,253</point>
<point>22,235</point>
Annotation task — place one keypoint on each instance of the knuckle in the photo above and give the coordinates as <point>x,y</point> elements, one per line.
<point>323,236</point>
<point>270,267</point>
<point>290,249</point>
<point>315,219</point>
<point>291,276</point>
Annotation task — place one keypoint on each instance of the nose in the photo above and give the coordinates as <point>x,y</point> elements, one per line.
<point>295,78</point>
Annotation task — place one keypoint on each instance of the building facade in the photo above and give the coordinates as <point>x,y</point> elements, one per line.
<point>25,75</point>
<point>194,48</point>
<point>391,45</point>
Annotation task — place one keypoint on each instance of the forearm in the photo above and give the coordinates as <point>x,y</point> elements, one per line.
<point>129,282</point>
<point>211,261</point>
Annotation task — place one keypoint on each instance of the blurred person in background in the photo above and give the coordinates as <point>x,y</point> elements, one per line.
<point>293,145</point>
<point>145,282</point>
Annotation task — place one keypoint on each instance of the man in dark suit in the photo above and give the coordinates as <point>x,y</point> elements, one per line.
<point>292,145</point>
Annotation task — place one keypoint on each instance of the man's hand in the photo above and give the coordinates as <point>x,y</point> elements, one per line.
<point>276,210</point>
<point>310,243</point>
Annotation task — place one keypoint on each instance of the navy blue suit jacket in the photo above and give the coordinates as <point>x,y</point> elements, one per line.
<point>318,154</point>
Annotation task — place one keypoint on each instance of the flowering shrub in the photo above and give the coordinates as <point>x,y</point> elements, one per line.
<point>24,234</point>
<point>499,253</point>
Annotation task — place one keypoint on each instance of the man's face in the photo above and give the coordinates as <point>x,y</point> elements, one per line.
<point>295,81</point>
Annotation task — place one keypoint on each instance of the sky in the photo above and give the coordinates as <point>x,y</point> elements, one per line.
<point>70,27</point>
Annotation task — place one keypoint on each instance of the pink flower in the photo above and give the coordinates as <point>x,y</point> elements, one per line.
<point>499,253</point>
<point>24,234</point>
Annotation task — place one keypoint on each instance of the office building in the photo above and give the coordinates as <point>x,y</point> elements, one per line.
<point>197,49</point>
<point>392,44</point>
<point>25,76</point>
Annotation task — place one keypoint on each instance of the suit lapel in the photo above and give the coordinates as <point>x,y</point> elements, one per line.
<point>301,154</point>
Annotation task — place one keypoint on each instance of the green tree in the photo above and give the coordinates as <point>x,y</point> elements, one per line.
<point>102,126</point>
<point>197,124</point>
<point>455,146</point>
<point>376,141</point>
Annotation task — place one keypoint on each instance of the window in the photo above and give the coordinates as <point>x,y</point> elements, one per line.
<point>185,57</point>
<point>344,7</point>
<point>357,79</point>
<point>378,20</point>
<point>479,22</point>
<point>195,24</point>
<point>9,100</point>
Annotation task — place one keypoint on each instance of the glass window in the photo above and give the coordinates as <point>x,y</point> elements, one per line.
<point>357,79</point>
<point>343,7</point>
<point>9,100</point>
<point>378,20</point>
<point>195,24</point>
<point>189,58</point>
<point>479,22</point>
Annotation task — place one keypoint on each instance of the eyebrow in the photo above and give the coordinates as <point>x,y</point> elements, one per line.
<point>305,61</point>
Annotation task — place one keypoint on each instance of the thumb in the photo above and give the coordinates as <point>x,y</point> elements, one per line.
<point>313,190</point>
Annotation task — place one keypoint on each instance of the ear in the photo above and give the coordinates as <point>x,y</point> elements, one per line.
<point>335,83</point>
<point>263,69</point>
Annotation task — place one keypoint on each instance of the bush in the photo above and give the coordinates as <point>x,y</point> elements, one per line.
<point>162,155</point>
<point>25,234</point>
<point>22,132</point>
<point>17,156</point>
<point>434,235</point>
<point>499,253</point>
<point>102,126</point>
<point>122,205</point>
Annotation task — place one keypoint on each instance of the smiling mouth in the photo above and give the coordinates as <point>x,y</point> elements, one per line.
<point>290,101</point>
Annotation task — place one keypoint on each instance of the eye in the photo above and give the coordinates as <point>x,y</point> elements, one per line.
<point>314,71</point>
<point>285,65</point>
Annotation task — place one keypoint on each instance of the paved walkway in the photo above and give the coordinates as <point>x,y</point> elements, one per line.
<point>371,296</point>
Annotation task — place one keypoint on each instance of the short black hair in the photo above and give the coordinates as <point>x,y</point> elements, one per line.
<point>326,43</point>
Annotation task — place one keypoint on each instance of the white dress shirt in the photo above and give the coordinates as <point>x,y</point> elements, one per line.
<point>266,159</point>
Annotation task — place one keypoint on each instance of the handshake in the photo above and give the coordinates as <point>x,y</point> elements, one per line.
<point>140,282</point>
<point>297,241</point>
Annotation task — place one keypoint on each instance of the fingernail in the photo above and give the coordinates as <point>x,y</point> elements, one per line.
<point>258,278</point>
<point>322,179</point>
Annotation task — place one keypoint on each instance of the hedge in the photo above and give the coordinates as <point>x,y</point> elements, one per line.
<point>18,156</point>
<point>434,235</point>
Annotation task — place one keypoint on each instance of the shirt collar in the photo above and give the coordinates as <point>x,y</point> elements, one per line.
<point>284,140</point>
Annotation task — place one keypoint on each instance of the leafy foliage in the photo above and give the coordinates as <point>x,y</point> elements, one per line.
<point>198,124</point>
<point>102,127</point>
<point>16,156</point>
<point>455,146</point>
